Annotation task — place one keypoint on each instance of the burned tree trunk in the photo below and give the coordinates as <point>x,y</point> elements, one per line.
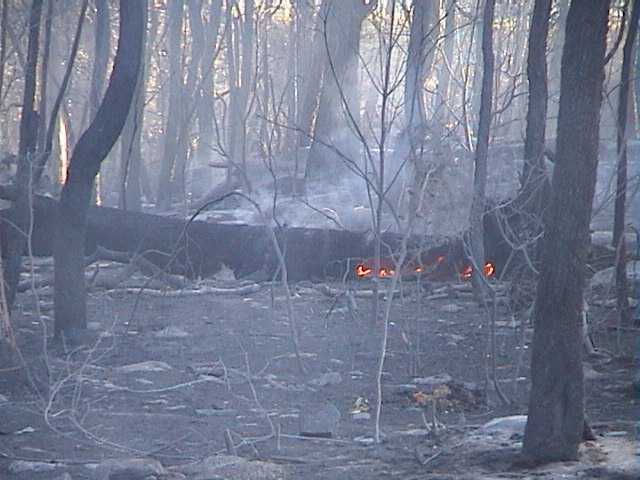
<point>26,153</point>
<point>482,147</point>
<point>198,249</point>
<point>130,195</point>
<point>174,115</point>
<point>556,403</point>
<point>534,184</point>
<point>621,182</point>
<point>92,147</point>
<point>338,110</point>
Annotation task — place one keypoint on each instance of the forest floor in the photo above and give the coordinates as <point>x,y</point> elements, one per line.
<point>205,384</point>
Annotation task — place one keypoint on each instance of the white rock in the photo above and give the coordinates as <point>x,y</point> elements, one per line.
<point>171,332</point>
<point>148,366</point>
<point>228,466</point>
<point>128,468</point>
<point>329,378</point>
<point>20,466</point>
<point>451,308</point>
<point>508,426</point>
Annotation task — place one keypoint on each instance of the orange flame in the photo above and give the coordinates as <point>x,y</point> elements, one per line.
<point>386,272</point>
<point>489,271</point>
<point>467,272</point>
<point>362,270</point>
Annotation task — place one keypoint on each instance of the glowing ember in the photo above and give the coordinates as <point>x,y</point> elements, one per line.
<point>489,271</point>
<point>386,272</point>
<point>467,272</point>
<point>366,270</point>
<point>362,270</point>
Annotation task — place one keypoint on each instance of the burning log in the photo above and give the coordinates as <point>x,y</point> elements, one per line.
<point>199,249</point>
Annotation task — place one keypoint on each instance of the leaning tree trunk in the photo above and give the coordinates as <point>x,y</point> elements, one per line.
<point>21,217</point>
<point>556,403</point>
<point>621,183</point>
<point>99,73</point>
<point>92,147</point>
<point>482,147</point>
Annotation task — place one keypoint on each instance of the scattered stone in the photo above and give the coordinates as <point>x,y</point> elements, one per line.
<point>208,369</point>
<point>319,420</point>
<point>213,412</point>
<point>171,332</point>
<point>613,303</point>
<point>24,430</point>
<point>361,416</point>
<point>364,440</point>
<point>433,381</point>
<point>148,366</point>
<point>603,279</point>
<point>620,433</point>
<point>590,373</point>
<point>229,466</point>
<point>451,308</point>
<point>506,426</point>
<point>64,476</point>
<point>21,466</point>
<point>415,432</point>
<point>329,378</point>
<point>129,469</point>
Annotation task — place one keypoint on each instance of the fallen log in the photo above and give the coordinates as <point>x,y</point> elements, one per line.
<point>199,249</point>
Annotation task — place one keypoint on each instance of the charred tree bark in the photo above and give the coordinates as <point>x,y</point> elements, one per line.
<point>205,106</point>
<point>556,403</point>
<point>311,73</point>
<point>482,147</point>
<point>99,74</point>
<point>130,194</point>
<point>422,46</point>
<point>101,58</point>
<point>174,115</point>
<point>624,100</point>
<point>3,41</point>
<point>339,109</point>
<point>444,80</point>
<point>21,214</point>
<point>534,184</point>
<point>45,152</point>
<point>240,50</point>
<point>91,149</point>
<point>188,104</point>
<point>44,77</point>
<point>198,249</point>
